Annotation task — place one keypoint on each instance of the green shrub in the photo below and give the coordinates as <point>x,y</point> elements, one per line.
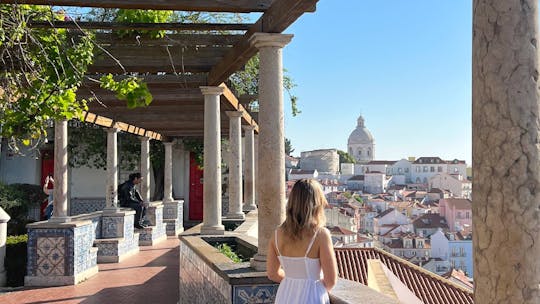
<point>15,261</point>
<point>228,252</point>
<point>16,199</point>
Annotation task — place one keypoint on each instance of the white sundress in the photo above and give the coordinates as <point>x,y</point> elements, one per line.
<point>302,283</point>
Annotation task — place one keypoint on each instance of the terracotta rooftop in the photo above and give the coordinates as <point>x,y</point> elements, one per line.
<point>387,211</point>
<point>340,230</point>
<point>429,287</point>
<point>459,203</point>
<point>430,220</point>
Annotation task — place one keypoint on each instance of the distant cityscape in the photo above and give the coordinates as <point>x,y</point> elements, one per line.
<point>417,209</point>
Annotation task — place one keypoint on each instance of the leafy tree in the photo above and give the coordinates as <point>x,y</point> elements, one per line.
<point>247,82</point>
<point>288,147</point>
<point>345,157</point>
<point>41,72</point>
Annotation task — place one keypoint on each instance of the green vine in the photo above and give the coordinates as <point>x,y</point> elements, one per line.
<point>145,16</point>
<point>196,146</point>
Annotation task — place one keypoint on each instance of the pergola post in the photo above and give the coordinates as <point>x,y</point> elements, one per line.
<point>167,180</point>
<point>249,169</point>
<point>111,190</point>
<point>60,192</point>
<point>271,176</point>
<point>212,162</point>
<point>506,155</point>
<point>172,209</point>
<point>235,166</point>
<point>145,168</point>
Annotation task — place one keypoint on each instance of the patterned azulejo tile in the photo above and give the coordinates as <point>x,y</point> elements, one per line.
<point>248,294</point>
<point>50,256</point>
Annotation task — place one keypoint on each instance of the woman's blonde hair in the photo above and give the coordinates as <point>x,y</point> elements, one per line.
<point>305,209</point>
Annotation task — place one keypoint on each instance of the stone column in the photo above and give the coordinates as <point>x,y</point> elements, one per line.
<point>271,175</point>
<point>235,166</point>
<point>145,169</point>
<point>256,167</point>
<point>506,155</point>
<point>111,191</point>
<point>249,172</point>
<point>4,218</point>
<point>167,191</point>
<point>60,199</point>
<point>212,162</point>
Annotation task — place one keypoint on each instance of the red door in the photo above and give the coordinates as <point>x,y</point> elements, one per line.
<point>195,190</point>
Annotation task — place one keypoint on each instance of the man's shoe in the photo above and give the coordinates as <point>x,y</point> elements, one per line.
<point>143,225</point>
<point>139,226</point>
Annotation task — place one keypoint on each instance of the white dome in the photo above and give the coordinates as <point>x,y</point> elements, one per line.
<point>361,134</point>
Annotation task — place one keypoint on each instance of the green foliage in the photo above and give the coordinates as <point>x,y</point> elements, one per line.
<point>228,252</point>
<point>348,195</point>
<point>16,199</point>
<point>246,81</point>
<point>16,258</point>
<point>195,145</point>
<point>359,199</point>
<point>288,147</point>
<point>145,16</point>
<point>42,70</point>
<point>131,89</point>
<point>345,157</point>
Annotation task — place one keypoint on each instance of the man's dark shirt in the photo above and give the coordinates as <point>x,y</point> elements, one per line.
<point>128,194</point>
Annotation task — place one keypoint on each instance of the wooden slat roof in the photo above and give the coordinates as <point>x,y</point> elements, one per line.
<point>189,56</point>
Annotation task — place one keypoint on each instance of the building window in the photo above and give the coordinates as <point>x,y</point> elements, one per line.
<point>359,152</point>
<point>406,170</point>
<point>418,180</point>
<point>425,180</point>
<point>432,169</point>
<point>425,169</point>
<point>439,169</point>
<point>368,152</point>
<point>467,215</point>
<point>399,170</point>
<point>417,169</point>
<point>458,214</point>
<point>456,170</point>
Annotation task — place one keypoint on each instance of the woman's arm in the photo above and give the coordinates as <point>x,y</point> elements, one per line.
<point>46,186</point>
<point>328,260</point>
<point>273,267</point>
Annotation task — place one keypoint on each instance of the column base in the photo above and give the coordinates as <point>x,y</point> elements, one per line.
<point>60,253</point>
<point>236,216</point>
<point>115,250</point>
<point>218,229</point>
<point>173,227</point>
<point>48,281</point>
<point>156,231</point>
<point>112,210</point>
<point>258,262</point>
<point>60,219</point>
<point>249,207</point>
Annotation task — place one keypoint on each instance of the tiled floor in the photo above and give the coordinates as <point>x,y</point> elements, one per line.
<point>151,276</point>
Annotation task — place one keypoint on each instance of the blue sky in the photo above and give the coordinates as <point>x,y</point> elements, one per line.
<point>404,65</point>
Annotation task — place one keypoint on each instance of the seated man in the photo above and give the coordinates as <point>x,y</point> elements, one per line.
<point>129,197</point>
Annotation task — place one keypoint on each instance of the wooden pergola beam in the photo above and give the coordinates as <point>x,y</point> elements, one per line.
<point>109,123</point>
<point>233,101</point>
<point>276,19</point>
<point>171,26</point>
<point>156,81</point>
<point>231,6</point>
<point>169,39</point>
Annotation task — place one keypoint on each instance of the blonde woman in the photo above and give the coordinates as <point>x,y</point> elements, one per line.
<point>301,247</point>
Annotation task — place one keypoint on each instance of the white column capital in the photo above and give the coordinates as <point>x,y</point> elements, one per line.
<point>168,143</point>
<point>248,127</point>
<point>234,114</point>
<point>144,138</point>
<point>206,90</point>
<point>112,130</point>
<point>262,40</point>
